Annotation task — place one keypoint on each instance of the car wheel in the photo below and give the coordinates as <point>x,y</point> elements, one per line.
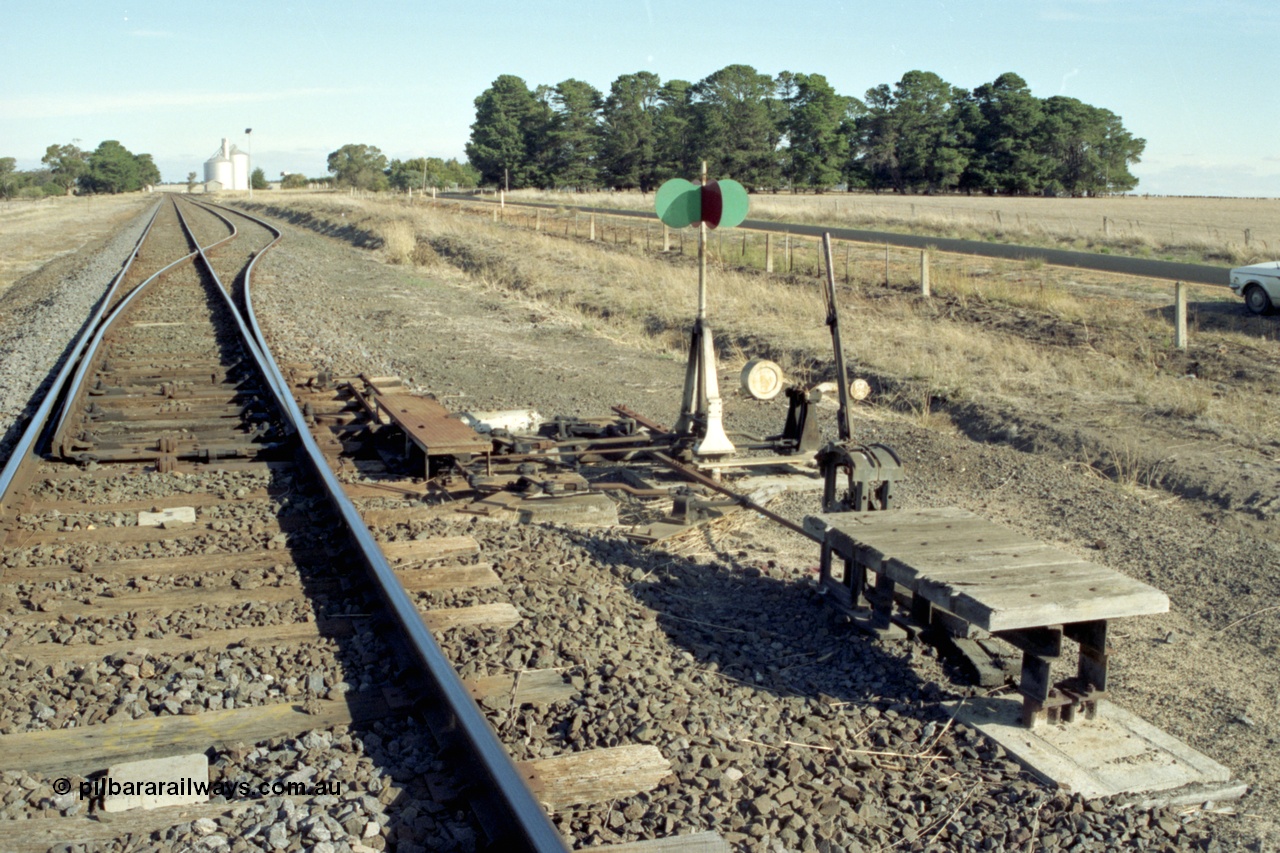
<point>1257,300</point>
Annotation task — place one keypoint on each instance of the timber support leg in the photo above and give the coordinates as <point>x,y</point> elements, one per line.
<point>882,603</point>
<point>1034,686</point>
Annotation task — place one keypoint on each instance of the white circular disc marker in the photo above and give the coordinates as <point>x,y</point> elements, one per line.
<point>762,379</point>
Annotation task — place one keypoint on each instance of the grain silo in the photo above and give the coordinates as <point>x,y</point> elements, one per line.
<point>228,168</point>
<point>239,169</point>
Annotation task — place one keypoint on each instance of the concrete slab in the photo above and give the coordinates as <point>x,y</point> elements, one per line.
<point>156,782</point>
<point>594,508</point>
<point>174,515</point>
<point>1118,752</point>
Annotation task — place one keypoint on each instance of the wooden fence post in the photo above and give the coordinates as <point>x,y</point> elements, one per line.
<point>924,273</point>
<point>886,264</point>
<point>768,252</point>
<point>592,238</point>
<point>537,220</point>
<point>1180,316</point>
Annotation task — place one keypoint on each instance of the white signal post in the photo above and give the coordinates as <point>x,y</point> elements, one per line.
<point>701,387</point>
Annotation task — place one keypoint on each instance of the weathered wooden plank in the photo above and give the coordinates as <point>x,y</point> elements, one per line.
<point>694,842</point>
<point>980,581</point>
<point>404,516</point>
<point>191,565</point>
<point>422,550</point>
<point>167,600</point>
<point>595,776</point>
<point>295,633</point>
<point>535,687</point>
<point>970,537</point>
<point>1054,607</point>
<point>883,519</point>
<point>196,499</point>
<point>134,535</point>
<point>1023,557</point>
<point>957,560</point>
<point>448,577</point>
<point>87,749</point>
<point>500,615</point>
<point>385,489</point>
<point>905,551</point>
<point>97,833</point>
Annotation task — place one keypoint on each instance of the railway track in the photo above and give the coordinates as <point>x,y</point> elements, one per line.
<point>261,626</point>
<point>178,581</point>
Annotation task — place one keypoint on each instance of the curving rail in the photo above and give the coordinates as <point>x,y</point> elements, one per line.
<point>512,816</point>
<point>77,360</point>
<point>519,821</point>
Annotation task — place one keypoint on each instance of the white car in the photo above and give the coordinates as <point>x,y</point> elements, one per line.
<point>1259,284</point>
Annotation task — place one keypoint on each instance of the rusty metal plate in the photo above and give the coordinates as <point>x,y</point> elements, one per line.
<point>430,425</point>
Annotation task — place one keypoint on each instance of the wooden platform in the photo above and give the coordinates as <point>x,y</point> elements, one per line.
<point>1024,591</point>
<point>987,574</point>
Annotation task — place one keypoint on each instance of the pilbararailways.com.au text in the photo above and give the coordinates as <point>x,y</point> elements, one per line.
<point>106,786</point>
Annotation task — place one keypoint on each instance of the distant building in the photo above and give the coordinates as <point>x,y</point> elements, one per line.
<point>227,169</point>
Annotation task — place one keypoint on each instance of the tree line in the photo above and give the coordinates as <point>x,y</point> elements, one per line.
<point>109,168</point>
<point>366,167</point>
<point>794,131</point>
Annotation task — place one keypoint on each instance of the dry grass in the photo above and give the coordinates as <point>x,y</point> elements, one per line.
<point>398,240</point>
<point>34,232</point>
<point>1209,229</point>
<point>957,347</point>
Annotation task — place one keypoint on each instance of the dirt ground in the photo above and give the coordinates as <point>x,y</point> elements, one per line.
<point>1200,525</point>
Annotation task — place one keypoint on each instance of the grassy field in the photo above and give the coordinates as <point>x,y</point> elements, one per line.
<point>34,232</point>
<point>1212,230</point>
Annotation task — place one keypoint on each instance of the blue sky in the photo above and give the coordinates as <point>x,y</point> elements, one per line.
<point>172,78</point>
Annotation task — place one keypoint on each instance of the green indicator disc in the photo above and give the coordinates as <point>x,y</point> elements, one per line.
<point>679,203</point>
<point>733,203</point>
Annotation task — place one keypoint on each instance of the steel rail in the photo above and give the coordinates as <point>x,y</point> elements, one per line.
<point>54,396</point>
<point>117,312</point>
<point>521,822</point>
<point>278,386</point>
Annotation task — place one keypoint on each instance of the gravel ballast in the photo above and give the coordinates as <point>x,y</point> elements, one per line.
<point>42,313</point>
<point>785,728</point>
